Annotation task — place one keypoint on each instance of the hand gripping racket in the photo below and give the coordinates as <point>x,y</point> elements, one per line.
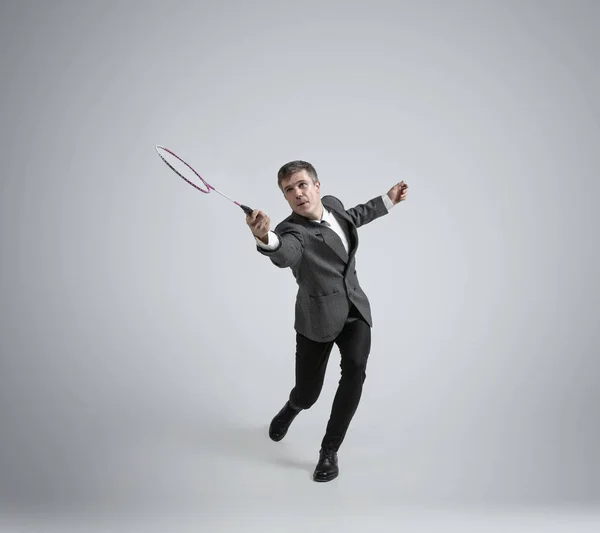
<point>185,171</point>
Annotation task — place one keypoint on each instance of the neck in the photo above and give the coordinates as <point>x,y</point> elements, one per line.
<point>319,213</point>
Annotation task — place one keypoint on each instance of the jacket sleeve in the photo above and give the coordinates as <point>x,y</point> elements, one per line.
<point>289,249</point>
<point>364,213</point>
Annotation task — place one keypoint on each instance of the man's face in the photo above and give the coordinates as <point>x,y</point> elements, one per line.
<point>303,195</point>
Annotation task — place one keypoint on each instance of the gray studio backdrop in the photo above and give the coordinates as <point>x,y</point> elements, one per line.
<point>145,344</point>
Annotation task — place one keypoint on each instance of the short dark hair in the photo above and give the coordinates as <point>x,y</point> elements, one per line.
<point>289,169</point>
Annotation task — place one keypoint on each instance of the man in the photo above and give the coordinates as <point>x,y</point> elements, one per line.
<point>318,242</point>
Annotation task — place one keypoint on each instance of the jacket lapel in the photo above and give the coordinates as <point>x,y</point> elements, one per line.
<point>347,225</point>
<point>329,236</point>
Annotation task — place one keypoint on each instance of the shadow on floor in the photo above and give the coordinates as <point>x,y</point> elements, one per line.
<point>248,443</point>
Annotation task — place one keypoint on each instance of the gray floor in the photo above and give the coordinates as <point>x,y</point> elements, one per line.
<point>230,477</point>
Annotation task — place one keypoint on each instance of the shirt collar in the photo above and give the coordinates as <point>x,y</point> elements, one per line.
<point>327,216</point>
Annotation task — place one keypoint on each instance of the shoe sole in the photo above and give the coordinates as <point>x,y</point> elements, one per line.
<point>325,479</point>
<point>276,439</point>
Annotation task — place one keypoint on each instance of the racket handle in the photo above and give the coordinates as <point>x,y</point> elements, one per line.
<point>246,209</point>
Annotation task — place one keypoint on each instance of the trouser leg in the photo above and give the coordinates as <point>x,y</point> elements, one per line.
<point>311,363</point>
<point>355,345</point>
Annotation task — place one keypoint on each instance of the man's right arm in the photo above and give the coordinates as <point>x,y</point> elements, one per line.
<point>269,242</point>
<point>283,248</point>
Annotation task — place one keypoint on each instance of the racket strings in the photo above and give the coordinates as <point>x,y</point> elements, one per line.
<point>187,172</point>
<point>184,170</point>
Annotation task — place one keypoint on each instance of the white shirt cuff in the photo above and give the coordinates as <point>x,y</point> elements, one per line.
<point>386,200</point>
<point>273,241</point>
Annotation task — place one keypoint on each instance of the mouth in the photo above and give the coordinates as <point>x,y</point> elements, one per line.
<point>301,204</point>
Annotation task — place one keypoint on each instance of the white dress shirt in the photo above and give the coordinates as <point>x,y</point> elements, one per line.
<point>273,240</point>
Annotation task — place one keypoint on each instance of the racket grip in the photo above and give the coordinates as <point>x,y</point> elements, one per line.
<point>246,209</point>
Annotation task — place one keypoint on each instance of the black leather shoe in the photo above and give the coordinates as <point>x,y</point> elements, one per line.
<point>327,467</point>
<point>280,424</point>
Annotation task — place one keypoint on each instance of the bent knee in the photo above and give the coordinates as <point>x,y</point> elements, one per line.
<point>354,365</point>
<point>305,402</point>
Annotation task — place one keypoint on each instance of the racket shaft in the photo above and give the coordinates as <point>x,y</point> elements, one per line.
<point>245,208</point>
<point>222,194</point>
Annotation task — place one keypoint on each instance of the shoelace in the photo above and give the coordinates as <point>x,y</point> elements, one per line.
<point>328,453</point>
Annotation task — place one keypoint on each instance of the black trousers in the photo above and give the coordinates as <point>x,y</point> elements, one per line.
<point>354,343</point>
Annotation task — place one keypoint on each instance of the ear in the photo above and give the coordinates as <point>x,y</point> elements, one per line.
<point>318,186</point>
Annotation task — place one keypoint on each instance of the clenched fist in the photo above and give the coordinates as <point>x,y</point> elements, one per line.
<point>398,192</point>
<point>259,224</point>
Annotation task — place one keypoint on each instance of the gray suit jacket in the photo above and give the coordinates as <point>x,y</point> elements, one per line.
<point>325,273</point>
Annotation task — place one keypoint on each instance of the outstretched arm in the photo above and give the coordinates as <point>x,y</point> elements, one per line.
<point>364,213</point>
<point>284,249</point>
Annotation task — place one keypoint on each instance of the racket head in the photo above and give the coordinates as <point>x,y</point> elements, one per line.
<point>183,169</point>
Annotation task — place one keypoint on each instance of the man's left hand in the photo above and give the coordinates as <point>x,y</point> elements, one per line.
<point>398,192</point>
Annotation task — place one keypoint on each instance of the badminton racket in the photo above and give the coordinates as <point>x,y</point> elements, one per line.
<point>188,173</point>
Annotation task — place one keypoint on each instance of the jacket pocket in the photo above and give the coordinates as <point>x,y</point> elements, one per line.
<point>319,296</point>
